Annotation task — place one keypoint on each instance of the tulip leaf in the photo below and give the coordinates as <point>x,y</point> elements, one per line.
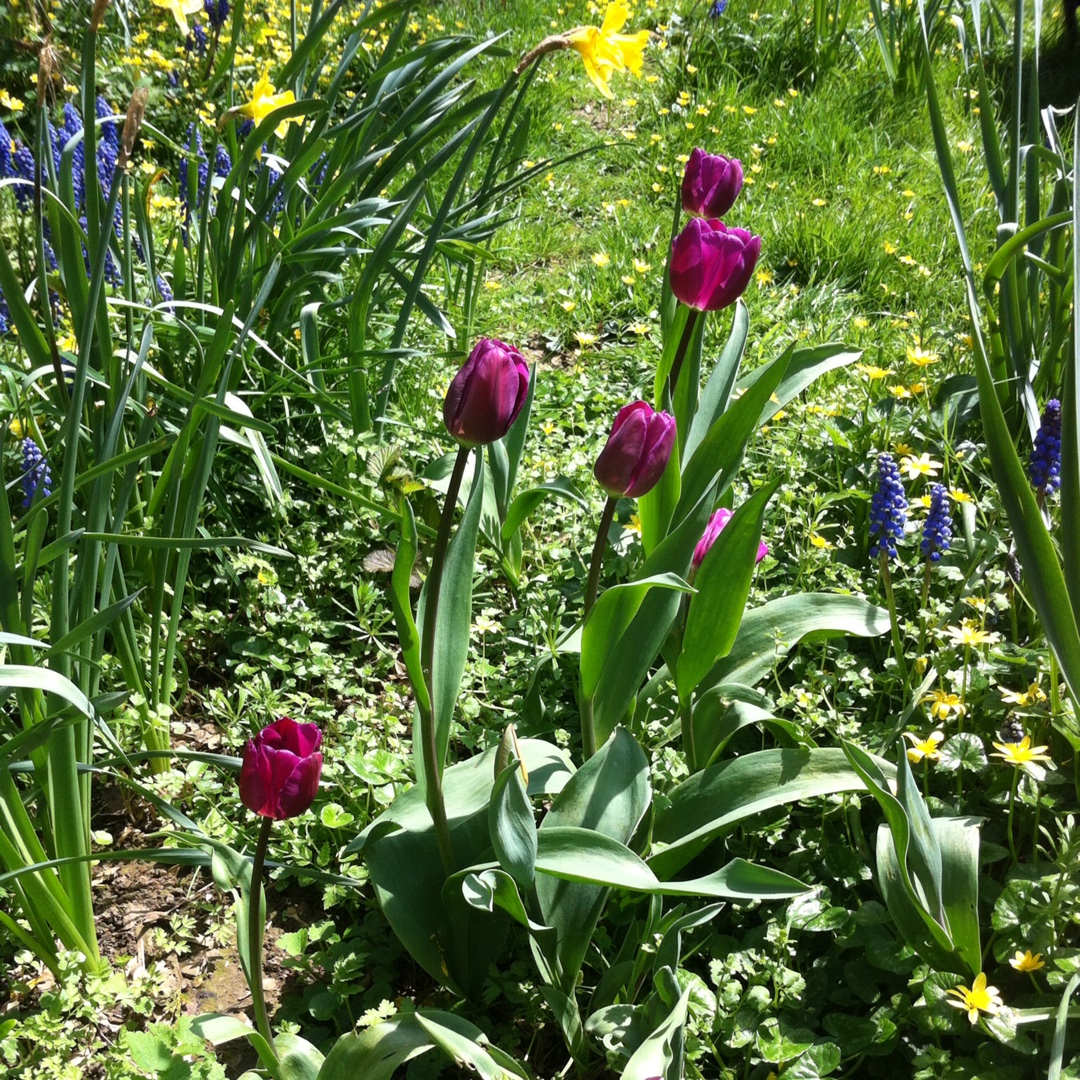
<point>660,1055</point>
<point>655,507</point>
<point>717,458</point>
<point>628,665</point>
<point>769,632</point>
<point>377,1052</point>
<point>512,826</point>
<point>608,795</point>
<point>400,601</point>
<point>723,586</point>
<point>452,625</point>
<point>714,801</point>
<point>716,396</point>
<point>589,857</point>
<point>527,501</point>
<point>805,366</point>
<point>608,621</point>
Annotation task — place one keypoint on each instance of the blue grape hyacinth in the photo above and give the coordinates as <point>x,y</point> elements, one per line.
<point>1044,465</point>
<point>35,472</point>
<point>888,509</point>
<point>937,532</point>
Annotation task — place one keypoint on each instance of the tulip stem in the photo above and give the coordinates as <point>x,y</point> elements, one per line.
<point>429,744</point>
<point>681,350</point>
<point>256,926</point>
<point>588,730</point>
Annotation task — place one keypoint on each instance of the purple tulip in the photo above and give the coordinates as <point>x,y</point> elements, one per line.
<point>711,264</point>
<point>281,769</point>
<point>637,451</point>
<point>487,393</point>
<point>712,531</point>
<point>711,184</point>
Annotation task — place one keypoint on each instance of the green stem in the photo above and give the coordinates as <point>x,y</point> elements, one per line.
<point>588,728</point>
<point>255,935</point>
<point>1009,824</point>
<point>686,719</point>
<point>429,737</point>
<point>925,615</point>
<point>681,350</point>
<point>894,622</point>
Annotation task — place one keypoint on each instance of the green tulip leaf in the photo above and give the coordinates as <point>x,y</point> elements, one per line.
<point>723,585</point>
<point>714,801</point>
<point>512,826</point>
<point>611,616</point>
<point>527,501</point>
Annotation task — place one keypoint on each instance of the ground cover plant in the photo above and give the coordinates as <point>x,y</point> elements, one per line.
<point>538,540</point>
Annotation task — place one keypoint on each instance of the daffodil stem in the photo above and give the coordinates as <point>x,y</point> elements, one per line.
<point>256,927</point>
<point>681,350</point>
<point>592,586</point>
<point>1012,804</point>
<point>894,622</point>
<point>429,744</point>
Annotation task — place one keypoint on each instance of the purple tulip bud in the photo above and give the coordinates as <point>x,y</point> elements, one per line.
<point>637,451</point>
<point>711,264</point>
<point>281,769</point>
<point>711,184</point>
<point>487,393</point>
<point>712,531</point>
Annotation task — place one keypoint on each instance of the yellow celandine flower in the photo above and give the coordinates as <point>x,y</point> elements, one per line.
<point>1021,753</point>
<point>1029,696</point>
<point>924,748</point>
<point>921,357</point>
<point>634,524</point>
<point>264,100</point>
<point>604,50</point>
<point>968,633</point>
<point>943,705</point>
<point>980,998</point>
<point>959,496</point>
<point>180,10</point>
<point>873,372</point>
<point>1024,961</point>
<point>641,266</point>
<point>919,465</point>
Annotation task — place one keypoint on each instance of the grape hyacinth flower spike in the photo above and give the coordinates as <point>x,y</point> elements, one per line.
<point>888,509</point>
<point>1044,465</point>
<point>937,532</point>
<point>35,472</point>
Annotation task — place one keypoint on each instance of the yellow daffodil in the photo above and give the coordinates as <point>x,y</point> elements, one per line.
<point>1021,753</point>
<point>920,465</point>
<point>264,100</point>
<point>1024,961</point>
<point>924,748</point>
<point>180,10</point>
<point>604,50</point>
<point>943,705</point>
<point>968,634</point>
<point>980,998</point>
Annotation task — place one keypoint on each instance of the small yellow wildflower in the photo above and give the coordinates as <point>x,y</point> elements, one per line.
<point>821,542</point>
<point>1027,697</point>
<point>968,634</point>
<point>921,465</point>
<point>943,704</point>
<point>584,337</point>
<point>641,266</point>
<point>921,357</point>
<point>601,258</point>
<point>1024,961</point>
<point>639,328</point>
<point>568,305</point>
<point>873,372</point>
<point>9,102</point>
<point>980,998</point>
<point>960,496</point>
<point>1021,753</point>
<point>924,748</point>
<point>634,524</point>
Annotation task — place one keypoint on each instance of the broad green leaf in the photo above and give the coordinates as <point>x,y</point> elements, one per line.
<point>958,839</point>
<point>716,721</point>
<point>769,632</point>
<point>723,585</point>
<point>527,501</point>
<point>512,826</point>
<point>401,602</point>
<point>48,681</point>
<point>714,801</point>
<point>661,1053</point>
<point>300,1060</point>
<point>609,620</point>
<point>804,367</point>
<point>609,795</point>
